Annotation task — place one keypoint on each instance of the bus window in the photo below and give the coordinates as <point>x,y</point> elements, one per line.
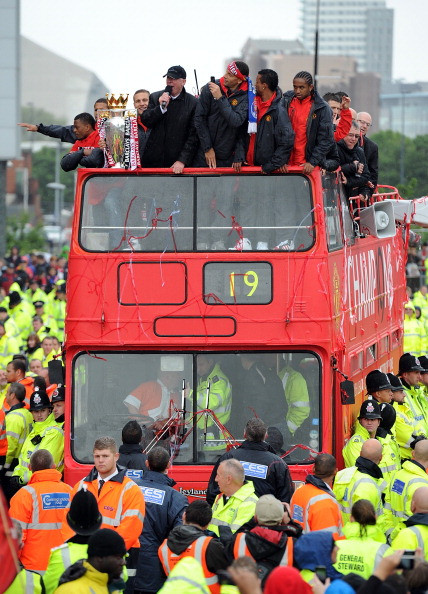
<point>148,213</point>
<point>331,209</point>
<point>267,213</point>
<point>283,389</point>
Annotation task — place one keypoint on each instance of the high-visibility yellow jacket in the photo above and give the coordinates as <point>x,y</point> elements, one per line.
<point>8,347</point>
<point>412,401</point>
<point>93,582</point>
<point>26,582</point>
<point>237,510</point>
<point>406,429</point>
<point>45,435</point>
<point>398,497</point>
<point>220,402</point>
<point>60,559</point>
<point>17,425</point>
<point>297,397</point>
<point>359,555</point>
<point>413,537</point>
<point>391,460</point>
<point>350,485</point>
<point>413,336</point>
<point>352,448</point>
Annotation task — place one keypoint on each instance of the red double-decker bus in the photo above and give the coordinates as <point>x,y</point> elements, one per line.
<point>258,287</point>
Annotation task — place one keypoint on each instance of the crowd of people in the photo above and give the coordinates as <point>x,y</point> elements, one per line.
<point>124,527</point>
<point>233,123</point>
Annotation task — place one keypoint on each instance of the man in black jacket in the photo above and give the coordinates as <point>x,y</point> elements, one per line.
<point>312,123</point>
<point>271,146</point>
<point>221,119</point>
<point>170,115</point>
<point>130,452</point>
<point>370,149</point>
<point>355,173</point>
<point>164,511</point>
<point>65,133</point>
<point>268,471</point>
<point>85,151</point>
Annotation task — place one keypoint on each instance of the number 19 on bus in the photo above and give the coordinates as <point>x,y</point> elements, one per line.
<point>251,279</point>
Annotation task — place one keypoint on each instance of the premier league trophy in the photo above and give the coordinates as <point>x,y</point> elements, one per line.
<point>118,127</point>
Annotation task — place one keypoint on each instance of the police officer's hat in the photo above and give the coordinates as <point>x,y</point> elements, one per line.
<point>61,287</point>
<point>377,381</point>
<point>14,298</point>
<point>39,400</point>
<point>424,363</point>
<point>396,385</point>
<point>84,516</point>
<point>58,395</point>
<point>38,304</point>
<point>388,414</point>
<point>409,362</point>
<point>370,409</point>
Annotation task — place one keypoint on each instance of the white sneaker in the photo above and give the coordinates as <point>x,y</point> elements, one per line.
<point>242,244</point>
<point>262,245</point>
<point>287,245</point>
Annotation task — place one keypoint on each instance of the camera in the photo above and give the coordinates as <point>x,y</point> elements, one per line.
<point>321,573</point>
<point>212,79</point>
<point>407,560</point>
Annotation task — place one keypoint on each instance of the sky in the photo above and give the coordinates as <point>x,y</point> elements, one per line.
<point>131,44</point>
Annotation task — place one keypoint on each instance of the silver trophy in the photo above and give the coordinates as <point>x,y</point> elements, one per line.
<point>114,127</point>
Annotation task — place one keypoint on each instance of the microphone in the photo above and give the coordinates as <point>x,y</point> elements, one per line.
<point>168,90</point>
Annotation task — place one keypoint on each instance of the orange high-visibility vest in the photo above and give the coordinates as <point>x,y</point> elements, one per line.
<point>240,549</point>
<point>315,509</point>
<point>40,507</point>
<point>197,550</point>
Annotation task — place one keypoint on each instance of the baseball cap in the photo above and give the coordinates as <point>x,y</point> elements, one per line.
<point>269,510</point>
<point>176,72</point>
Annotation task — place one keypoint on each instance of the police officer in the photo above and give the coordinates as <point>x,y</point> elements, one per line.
<point>412,475</point>
<point>84,519</point>
<point>191,539</point>
<point>214,391</point>
<point>164,511</point>
<point>410,374</point>
<point>297,397</point>
<point>378,386</point>
<point>58,404</point>
<point>39,507</point>
<point>423,392</point>
<point>262,466</point>
<point>391,461</point>
<point>362,481</point>
<point>365,428</point>
<point>415,535</point>
<point>407,429</point>
<point>46,434</point>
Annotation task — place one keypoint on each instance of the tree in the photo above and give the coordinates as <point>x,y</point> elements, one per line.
<point>20,232</point>
<point>415,159</point>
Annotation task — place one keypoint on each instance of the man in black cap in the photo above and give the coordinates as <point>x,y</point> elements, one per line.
<point>365,428</point>
<point>409,371</point>
<point>84,519</point>
<point>170,115</point>
<point>407,430</point>
<point>378,386</point>
<point>106,552</point>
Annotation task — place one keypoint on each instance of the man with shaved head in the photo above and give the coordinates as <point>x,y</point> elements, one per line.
<point>362,481</point>
<point>314,505</point>
<point>416,534</point>
<point>237,500</point>
<point>411,477</point>
<point>370,148</point>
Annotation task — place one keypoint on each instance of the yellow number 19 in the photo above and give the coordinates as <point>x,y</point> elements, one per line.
<point>250,274</point>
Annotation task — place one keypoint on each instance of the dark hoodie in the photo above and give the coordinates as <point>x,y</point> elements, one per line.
<point>417,519</point>
<point>355,183</point>
<point>182,537</point>
<point>313,549</point>
<point>366,466</point>
<point>131,456</point>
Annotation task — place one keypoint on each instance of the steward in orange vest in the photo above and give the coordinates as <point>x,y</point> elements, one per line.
<point>120,500</point>
<point>191,540</point>
<point>314,505</point>
<point>39,507</point>
<point>270,541</point>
